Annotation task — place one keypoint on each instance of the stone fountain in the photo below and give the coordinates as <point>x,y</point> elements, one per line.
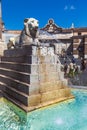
<point>30,74</point>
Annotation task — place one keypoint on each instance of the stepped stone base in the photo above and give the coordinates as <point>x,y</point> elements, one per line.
<point>31,77</point>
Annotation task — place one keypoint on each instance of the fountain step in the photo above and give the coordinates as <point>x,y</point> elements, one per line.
<point>31,59</point>
<point>28,89</point>
<point>31,108</point>
<point>16,102</point>
<point>20,67</point>
<point>55,94</point>
<point>23,98</point>
<point>30,78</point>
<point>52,85</point>
<point>4,86</point>
<point>28,68</point>
<point>11,70</point>
<point>22,59</point>
<point>24,77</point>
<point>38,98</point>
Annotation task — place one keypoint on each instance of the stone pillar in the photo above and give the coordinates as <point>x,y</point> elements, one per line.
<point>1,23</point>
<point>3,46</point>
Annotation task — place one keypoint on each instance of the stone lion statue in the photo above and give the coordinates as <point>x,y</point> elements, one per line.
<point>29,34</point>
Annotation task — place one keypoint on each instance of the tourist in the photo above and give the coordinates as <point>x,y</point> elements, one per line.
<point>65,68</point>
<point>76,70</point>
<point>71,69</point>
<point>83,64</point>
<point>73,60</point>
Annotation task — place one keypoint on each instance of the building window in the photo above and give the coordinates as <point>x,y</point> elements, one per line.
<point>76,40</point>
<point>79,33</point>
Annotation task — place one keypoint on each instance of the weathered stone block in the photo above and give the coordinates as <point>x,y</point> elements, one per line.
<point>34,100</point>
<point>49,86</point>
<point>48,96</point>
<point>67,92</point>
<point>52,95</point>
<point>25,50</point>
<point>34,89</point>
<point>48,78</point>
<point>62,93</point>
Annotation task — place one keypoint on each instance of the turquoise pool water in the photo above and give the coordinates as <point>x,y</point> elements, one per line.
<point>71,115</point>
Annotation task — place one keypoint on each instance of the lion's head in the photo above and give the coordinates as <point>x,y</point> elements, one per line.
<point>32,23</point>
<point>30,32</point>
<point>31,26</point>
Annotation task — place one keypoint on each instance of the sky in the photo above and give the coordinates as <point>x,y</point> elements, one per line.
<point>64,12</point>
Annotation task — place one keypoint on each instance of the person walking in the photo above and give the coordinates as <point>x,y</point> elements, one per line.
<point>65,68</point>
<point>83,65</point>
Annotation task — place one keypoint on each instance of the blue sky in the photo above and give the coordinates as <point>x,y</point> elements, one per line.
<point>64,12</point>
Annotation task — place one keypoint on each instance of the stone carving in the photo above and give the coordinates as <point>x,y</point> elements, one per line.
<point>29,34</point>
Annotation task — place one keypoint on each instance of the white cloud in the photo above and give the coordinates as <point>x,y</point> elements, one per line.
<point>72,7</point>
<point>66,7</point>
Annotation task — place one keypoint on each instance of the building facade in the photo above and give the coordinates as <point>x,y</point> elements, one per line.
<point>72,40</point>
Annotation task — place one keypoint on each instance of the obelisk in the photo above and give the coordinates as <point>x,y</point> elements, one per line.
<point>1,22</point>
<point>3,46</point>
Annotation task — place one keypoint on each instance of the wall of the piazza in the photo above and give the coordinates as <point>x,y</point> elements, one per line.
<point>84,33</point>
<point>80,46</point>
<point>80,31</point>
<point>7,36</point>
